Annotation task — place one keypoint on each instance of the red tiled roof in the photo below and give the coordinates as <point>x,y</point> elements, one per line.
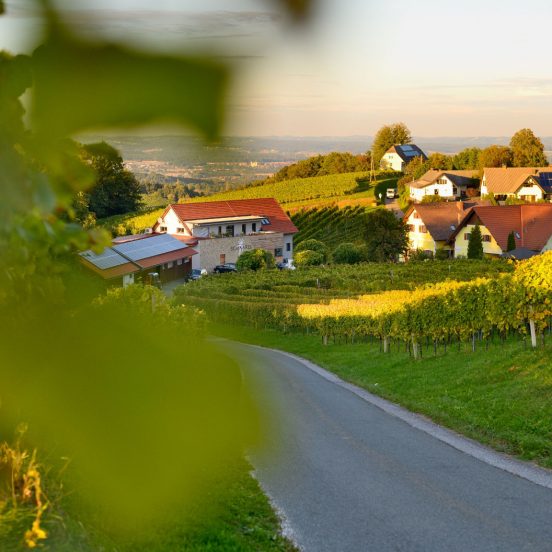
<point>508,180</point>
<point>441,219</point>
<point>166,257</point>
<point>267,207</point>
<point>533,223</point>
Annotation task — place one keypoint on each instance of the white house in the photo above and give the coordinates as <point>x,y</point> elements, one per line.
<point>447,184</point>
<point>528,183</point>
<point>221,230</point>
<point>397,157</point>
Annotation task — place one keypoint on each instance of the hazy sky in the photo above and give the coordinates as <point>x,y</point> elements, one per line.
<point>445,67</point>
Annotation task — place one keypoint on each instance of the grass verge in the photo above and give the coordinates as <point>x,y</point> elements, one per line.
<point>501,396</point>
<point>237,518</point>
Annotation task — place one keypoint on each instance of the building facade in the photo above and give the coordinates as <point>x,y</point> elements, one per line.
<point>221,230</point>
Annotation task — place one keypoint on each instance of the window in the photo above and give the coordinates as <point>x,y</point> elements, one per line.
<point>411,228</point>
<point>180,230</point>
<point>486,238</point>
<point>230,230</point>
<point>254,227</point>
<point>220,230</point>
<point>265,221</point>
<point>467,236</point>
<point>278,252</point>
<point>288,246</point>
<point>422,229</point>
<point>244,228</point>
<point>436,191</point>
<point>178,262</point>
<point>162,228</point>
<point>416,215</point>
<point>222,258</point>
<point>454,190</point>
<point>169,265</point>
<point>442,181</point>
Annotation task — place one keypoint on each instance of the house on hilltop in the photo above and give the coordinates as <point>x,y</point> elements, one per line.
<point>451,184</point>
<point>431,225</point>
<point>222,230</point>
<point>397,157</point>
<point>530,224</point>
<point>528,183</point>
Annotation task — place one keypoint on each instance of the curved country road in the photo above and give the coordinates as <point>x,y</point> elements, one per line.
<point>348,476</point>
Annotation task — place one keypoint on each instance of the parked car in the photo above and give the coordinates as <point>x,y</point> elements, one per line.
<point>197,273</point>
<point>286,265</point>
<point>227,267</point>
<point>391,193</point>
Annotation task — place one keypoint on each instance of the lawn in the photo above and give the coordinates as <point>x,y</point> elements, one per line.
<point>501,396</point>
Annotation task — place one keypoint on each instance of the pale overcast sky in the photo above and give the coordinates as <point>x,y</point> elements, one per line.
<point>445,67</point>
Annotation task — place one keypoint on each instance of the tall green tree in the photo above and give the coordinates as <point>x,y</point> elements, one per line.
<point>466,159</point>
<point>387,136</point>
<point>115,190</point>
<point>386,236</point>
<point>527,149</point>
<point>475,244</point>
<point>496,156</point>
<point>440,161</point>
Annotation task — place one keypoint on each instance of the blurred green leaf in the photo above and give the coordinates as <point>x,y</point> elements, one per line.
<point>81,85</point>
<point>2,7</point>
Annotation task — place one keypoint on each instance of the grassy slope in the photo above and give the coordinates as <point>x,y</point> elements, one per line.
<point>240,519</point>
<point>320,191</point>
<point>501,397</point>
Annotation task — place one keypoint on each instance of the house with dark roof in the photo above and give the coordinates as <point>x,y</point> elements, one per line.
<point>222,230</point>
<point>528,183</point>
<point>452,184</point>
<point>397,157</point>
<point>531,226</point>
<point>135,258</point>
<point>430,225</point>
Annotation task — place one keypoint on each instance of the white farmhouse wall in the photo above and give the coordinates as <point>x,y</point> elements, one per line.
<point>392,161</point>
<point>172,223</point>
<point>531,190</point>
<point>445,189</point>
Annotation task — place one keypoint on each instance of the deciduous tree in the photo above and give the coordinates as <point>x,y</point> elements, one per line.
<point>496,156</point>
<point>116,189</point>
<point>386,236</point>
<point>527,149</point>
<point>387,136</point>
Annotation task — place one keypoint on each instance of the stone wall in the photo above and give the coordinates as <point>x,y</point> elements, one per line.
<point>210,250</point>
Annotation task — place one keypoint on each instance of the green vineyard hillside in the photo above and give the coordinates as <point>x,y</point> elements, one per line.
<point>330,225</point>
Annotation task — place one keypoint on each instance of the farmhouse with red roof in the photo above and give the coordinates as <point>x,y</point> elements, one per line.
<point>531,226</point>
<point>221,230</point>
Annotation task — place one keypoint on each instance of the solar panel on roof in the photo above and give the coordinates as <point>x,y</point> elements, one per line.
<point>546,179</point>
<point>149,247</point>
<point>407,148</point>
<point>411,153</point>
<point>108,258</point>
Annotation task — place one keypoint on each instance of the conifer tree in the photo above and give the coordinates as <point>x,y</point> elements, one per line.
<point>511,242</point>
<point>475,244</point>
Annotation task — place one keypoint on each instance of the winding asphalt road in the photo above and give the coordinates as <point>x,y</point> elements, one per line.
<point>348,476</point>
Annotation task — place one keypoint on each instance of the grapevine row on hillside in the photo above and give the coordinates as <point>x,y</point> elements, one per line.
<point>288,191</point>
<point>330,225</point>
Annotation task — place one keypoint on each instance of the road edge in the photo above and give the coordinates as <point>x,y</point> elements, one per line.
<point>526,470</point>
